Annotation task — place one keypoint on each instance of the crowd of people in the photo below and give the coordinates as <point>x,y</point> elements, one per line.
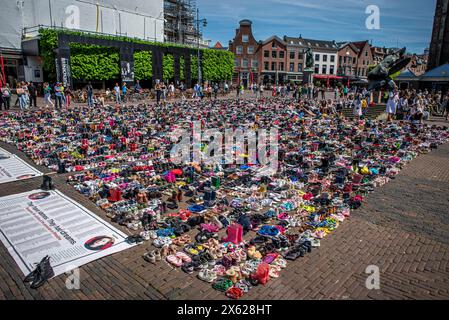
<point>233,223</point>
<point>26,96</point>
<point>26,93</point>
<point>413,105</point>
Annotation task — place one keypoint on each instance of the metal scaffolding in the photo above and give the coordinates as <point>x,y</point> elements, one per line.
<point>179,20</point>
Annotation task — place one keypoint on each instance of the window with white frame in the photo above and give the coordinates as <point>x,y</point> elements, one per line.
<point>239,50</point>
<point>245,38</point>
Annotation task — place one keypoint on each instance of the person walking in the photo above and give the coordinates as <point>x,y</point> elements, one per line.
<point>118,98</point>
<point>357,111</point>
<point>171,91</point>
<point>158,89</point>
<point>47,95</point>
<point>164,90</point>
<point>138,89</point>
<point>124,92</point>
<point>445,106</point>
<point>58,96</point>
<point>336,93</point>
<point>68,96</point>
<point>209,91</point>
<point>90,94</point>
<point>260,91</point>
<point>216,91</point>
<point>392,104</point>
<point>201,91</point>
<point>182,89</point>
<point>20,92</point>
<point>33,94</point>
<point>6,96</point>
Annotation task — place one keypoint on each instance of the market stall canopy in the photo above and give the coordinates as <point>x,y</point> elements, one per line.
<point>359,81</point>
<point>440,73</point>
<point>407,75</point>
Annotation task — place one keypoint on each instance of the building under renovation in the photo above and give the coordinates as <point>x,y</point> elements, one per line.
<point>180,25</point>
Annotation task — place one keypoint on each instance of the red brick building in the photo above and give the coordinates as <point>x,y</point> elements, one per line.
<point>354,59</point>
<point>244,46</point>
<point>347,60</point>
<point>365,58</point>
<point>272,54</point>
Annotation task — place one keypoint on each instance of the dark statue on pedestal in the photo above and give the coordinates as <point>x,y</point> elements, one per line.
<point>309,59</point>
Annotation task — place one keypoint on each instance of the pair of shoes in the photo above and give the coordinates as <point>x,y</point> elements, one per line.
<point>207,275</point>
<point>153,256</point>
<point>41,274</point>
<point>178,259</point>
<point>137,239</point>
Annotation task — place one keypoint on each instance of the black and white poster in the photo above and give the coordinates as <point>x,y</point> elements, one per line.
<point>13,168</point>
<point>38,223</point>
<point>127,71</point>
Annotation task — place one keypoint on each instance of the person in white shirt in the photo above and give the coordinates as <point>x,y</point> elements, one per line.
<point>392,104</point>
<point>171,91</point>
<point>118,98</point>
<point>405,108</point>
<point>357,111</point>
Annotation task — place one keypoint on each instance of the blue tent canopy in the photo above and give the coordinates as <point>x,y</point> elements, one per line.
<point>407,74</point>
<point>440,73</point>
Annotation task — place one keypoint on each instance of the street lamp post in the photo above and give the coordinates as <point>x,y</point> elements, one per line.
<point>204,21</point>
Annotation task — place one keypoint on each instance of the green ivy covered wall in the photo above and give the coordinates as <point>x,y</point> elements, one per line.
<point>91,62</point>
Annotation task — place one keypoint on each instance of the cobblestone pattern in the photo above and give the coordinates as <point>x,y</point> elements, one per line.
<point>403,228</point>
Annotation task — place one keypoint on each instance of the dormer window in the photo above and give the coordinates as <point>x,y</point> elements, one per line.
<point>245,38</point>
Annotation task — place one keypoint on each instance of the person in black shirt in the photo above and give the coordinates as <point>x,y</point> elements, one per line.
<point>90,95</point>
<point>33,94</point>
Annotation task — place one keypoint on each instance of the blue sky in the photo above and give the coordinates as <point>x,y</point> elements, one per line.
<point>404,22</point>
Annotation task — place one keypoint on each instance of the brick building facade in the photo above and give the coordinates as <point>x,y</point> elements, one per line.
<point>347,60</point>
<point>272,55</point>
<point>355,58</point>
<point>364,59</point>
<point>245,46</point>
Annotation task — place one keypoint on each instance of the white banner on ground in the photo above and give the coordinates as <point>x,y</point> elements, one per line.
<point>13,168</point>
<point>39,223</point>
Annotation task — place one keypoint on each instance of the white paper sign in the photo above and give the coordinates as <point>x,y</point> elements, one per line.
<point>39,223</point>
<point>13,168</point>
